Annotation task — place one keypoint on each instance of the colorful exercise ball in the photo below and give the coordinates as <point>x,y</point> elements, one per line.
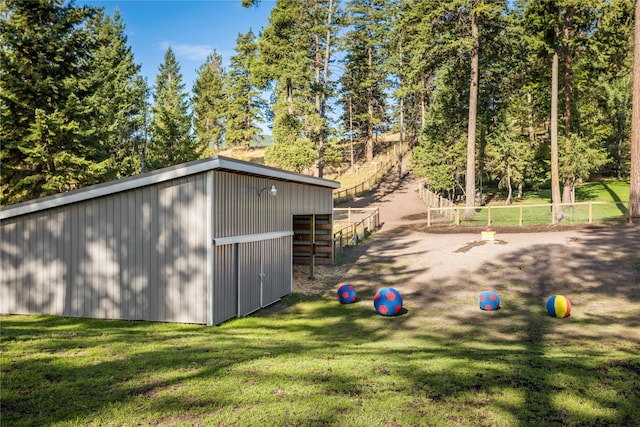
<point>346,294</point>
<point>489,301</point>
<point>387,302</point>
<point>558,306</point>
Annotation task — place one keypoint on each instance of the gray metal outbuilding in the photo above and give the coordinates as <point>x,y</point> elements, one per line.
<point>201,242</point>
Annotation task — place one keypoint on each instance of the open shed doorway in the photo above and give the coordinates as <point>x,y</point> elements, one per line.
<point>313,239</point>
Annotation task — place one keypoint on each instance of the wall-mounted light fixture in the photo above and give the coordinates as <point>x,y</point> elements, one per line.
<point>273,191</point>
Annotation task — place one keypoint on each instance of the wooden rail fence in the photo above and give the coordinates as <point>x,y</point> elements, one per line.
<point>359,223</point>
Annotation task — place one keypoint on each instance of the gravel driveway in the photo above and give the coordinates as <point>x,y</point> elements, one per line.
<point>445,271</point>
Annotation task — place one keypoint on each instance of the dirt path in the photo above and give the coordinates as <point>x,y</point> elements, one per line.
<point>444,273</point>
<point>447,271</point>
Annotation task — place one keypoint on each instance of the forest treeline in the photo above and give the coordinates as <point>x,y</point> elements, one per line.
<point>480,90</point>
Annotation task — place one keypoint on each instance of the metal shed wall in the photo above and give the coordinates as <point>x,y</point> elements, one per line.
<point>253,239</point>
<point>193,243</point>
<point>139,254</point>
<point>238,210</point>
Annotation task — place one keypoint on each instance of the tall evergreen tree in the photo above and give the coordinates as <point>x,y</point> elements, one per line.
<point>286,54</point>
<point>447,44</point>
<point>245,102</point>
<point>119,100</point>
<point>325,32</point>
<point>470,177</point>
<point>602,81</point>
<point>439,157</point>
<point>210,103</point>
<point>397,60</point>
<point>171,140</point>
<point>46,124</point>
<point>420,62</point>
<point>564,31</point>
<point>365,75</point>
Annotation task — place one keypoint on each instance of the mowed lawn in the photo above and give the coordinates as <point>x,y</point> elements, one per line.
<point>443,362</point>
<point>322,363</point>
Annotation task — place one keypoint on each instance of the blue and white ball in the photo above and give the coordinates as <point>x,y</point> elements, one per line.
<point>387,302</point>
<point>346,294</point>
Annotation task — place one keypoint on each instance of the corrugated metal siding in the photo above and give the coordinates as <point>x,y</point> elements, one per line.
<point>146,253</point>
<point>249,282</point>
<point>140,254</point>
<point>224,299</point>
<point>238,209</point>
<point>277,264</point>
<point>264,273</point>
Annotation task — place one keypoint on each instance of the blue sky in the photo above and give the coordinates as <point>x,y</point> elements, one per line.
<point>193,29</point>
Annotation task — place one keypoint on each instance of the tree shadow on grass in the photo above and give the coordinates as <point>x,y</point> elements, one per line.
<point>443,362</point>
<point>537,357</point>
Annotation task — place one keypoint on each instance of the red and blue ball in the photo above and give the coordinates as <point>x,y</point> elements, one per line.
<point>387,302</point>
<point>558,306</point>
<point>489,301</point>
<point>346,294</point>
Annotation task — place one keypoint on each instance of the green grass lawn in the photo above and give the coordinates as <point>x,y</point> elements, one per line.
<point>322,363</point>
<point>596,202</point>
<point>602,191</point>
<point>442,363</point>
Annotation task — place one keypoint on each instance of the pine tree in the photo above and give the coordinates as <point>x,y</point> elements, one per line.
<point>46,119</point>
<point>171,141</point>
<point>413,27</point>
<point>440,154</point>
<point>210,103</point>
<point>119,101</point>
<point>451,42</point>
<point>286,58</point>
<point>325,32</point>
<point>295,51</point>
<point>470,177</point>
<point>365,76</point>
<point>245,102</point>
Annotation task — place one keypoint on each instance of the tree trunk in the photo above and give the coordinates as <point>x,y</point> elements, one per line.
<point>353,160</point>
<point>520,190</point>
<point>320,146</point>
<point>323,96</point>
<point>290,95</point>
<point>470,188</point>
<point>634,191</point>
<point>555,180</point>
<point>509,189</point>
<point>569,180</point>
<point>423,102</point>
<point>370,131</point>
<point>532,134</point>
<point>370,112</point>
<point>401,151</point>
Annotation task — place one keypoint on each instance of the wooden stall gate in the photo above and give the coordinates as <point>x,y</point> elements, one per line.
<point>312,235</point>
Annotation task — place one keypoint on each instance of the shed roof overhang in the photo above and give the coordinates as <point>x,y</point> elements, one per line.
<point>218,163</point>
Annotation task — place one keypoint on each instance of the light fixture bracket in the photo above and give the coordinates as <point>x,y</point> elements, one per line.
<point>273,191</point>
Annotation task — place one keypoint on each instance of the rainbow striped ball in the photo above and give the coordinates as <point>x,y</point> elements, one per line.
<point>558,306</point>
<point>346,294</point>
<point>489,301</point>
<point>387,302</point>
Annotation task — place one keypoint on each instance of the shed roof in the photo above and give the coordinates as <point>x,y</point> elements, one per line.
<point>219,163</point>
